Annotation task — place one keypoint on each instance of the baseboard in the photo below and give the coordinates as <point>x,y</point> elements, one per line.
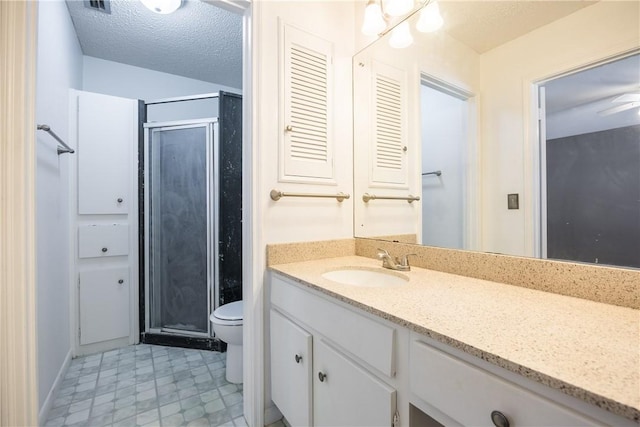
<point>271,414</point>
<point>46,405</point>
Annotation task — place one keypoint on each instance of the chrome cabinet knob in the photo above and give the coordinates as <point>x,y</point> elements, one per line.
<point>104,249</point>
<point>288,128</point>
<point>120,200</point>
<point>298,358</point>
<point>499,420</point>
<point>121,281</point>
<point>322,376</point>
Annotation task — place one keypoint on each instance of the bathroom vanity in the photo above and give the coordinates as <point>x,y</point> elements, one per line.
<point>445,349</point>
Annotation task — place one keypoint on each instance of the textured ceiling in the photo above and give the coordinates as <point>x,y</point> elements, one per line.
<point>199,40</point>
<point>596,87</point>
<point>486,24</point>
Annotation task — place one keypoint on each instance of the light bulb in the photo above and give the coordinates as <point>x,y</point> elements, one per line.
<point>163,7</point>
<point>373,21</point>
<point>401,36</point>
<point>430,19</point>
<point>397,7</point>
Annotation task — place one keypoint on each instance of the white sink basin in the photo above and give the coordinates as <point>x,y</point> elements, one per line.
<point>366,278</point>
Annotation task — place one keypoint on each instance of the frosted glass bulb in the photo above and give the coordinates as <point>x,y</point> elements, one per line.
<point>163,7</point>
<point>401,36</point>
<point>373,21</point>
<point>430,19</point>
<point>397,7</point>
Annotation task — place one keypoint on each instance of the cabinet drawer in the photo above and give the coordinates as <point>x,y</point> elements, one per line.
<point>103,240</point>
<point>365,338</point>
<point>469,394</point>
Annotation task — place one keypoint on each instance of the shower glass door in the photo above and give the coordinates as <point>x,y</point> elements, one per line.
<point>179,219</point>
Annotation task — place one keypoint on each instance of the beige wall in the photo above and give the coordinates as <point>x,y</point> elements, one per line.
<point>508,138</point>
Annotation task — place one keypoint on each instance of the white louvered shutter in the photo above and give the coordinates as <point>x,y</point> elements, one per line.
<point>389,142</point>
<point>307,142</point>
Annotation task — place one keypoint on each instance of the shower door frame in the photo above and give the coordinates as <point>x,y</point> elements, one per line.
<point>212,202</point>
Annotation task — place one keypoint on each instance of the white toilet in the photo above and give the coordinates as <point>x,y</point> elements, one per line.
<point>227,325</point>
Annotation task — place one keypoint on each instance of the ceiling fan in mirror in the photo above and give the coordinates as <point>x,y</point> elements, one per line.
<point>624,102</point>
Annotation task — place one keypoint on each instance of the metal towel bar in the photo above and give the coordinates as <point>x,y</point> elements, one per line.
<point>410,199</point>
<point>277,195</point>
<point>66,148</point>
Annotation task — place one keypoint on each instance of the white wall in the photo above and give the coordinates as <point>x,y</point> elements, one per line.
<point>292,220</point>
<point>59,68</point>
<point>127,81</point>
<point>508,137</point>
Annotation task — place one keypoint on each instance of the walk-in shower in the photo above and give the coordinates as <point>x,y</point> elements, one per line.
<point>192,218</point>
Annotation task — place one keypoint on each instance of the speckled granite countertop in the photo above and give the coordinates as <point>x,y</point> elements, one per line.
<point>586,349</point>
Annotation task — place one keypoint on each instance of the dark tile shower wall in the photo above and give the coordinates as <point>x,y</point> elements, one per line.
<point>230,209</point>
<point>229,216</point>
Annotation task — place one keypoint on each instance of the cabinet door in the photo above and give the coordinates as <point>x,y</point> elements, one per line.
<point>291,370</point>
<point>104,305</point>
<point>346,395</point>
<point>107,132</point>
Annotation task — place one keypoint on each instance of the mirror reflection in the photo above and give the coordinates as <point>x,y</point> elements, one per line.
<point>516,124</point>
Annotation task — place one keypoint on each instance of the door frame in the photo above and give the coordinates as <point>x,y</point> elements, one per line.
<point>537,131</point>
<point>471,192</point>
<point>18,305</point>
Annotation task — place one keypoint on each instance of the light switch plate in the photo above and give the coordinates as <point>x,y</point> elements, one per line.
<point>512,201</point>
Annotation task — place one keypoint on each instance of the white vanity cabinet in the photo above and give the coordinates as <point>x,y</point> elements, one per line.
<point>291,369</point>
<point>321,371</point>
<point>455,388</point>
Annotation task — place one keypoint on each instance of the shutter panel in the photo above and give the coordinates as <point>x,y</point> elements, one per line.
<point>389,156</point>
<point>307,142</point>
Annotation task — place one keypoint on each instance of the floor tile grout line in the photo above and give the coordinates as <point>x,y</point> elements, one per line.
<point>155,381</point>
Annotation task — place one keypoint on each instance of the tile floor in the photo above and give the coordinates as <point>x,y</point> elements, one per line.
<point>148,385</point>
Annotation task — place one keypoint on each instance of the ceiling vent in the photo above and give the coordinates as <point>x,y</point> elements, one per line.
<point>99,5</point>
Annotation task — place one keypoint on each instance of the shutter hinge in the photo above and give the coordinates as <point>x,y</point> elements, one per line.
<point>539,114</point>
<point>396,420</point>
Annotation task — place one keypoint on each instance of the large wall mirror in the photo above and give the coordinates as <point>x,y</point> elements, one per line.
<point>516,125</point>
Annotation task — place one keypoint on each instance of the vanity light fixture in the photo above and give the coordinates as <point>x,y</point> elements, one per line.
<point>397,7</point>
<point>163,7</point>
<point>401,36</point>
<point>378,14</point>
<point>430,19</point>
<point>374,22</point>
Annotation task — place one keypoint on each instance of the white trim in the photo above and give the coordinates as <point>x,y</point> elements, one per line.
<point>540,245</point>
<point>252,256</point>
<point>48,401</point>
<point>233,6</point>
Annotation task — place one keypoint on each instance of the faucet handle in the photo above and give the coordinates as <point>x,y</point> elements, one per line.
<point>404,260</point>
<point>383,253</point>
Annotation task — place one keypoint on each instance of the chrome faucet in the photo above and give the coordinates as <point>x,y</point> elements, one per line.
<point>400,263</point>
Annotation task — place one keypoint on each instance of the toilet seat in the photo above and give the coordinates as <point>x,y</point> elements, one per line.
<point>228,314</point>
